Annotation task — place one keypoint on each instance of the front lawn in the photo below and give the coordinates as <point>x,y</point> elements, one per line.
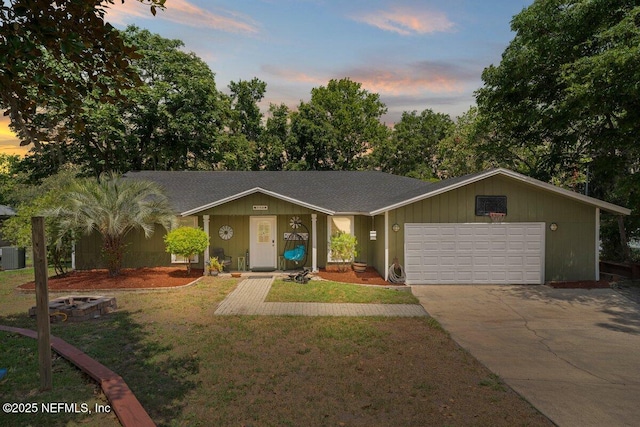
<point>334,292</point>
<point>189,367</point>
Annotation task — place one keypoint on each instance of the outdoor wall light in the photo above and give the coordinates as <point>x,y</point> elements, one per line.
<point>395,227</point>
<point>553,226</point>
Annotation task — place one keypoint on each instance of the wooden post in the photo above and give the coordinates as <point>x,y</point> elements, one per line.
<point>42,301</point>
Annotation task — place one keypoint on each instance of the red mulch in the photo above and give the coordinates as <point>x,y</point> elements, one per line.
<point>369,277</point>
<point>166,277</point>
<point>582,284</point>
<point>129,278</point>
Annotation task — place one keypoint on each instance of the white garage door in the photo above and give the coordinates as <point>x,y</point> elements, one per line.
<point>502,253</point>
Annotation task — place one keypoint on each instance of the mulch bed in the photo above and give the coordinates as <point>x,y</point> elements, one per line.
<point>167,277</point>
<point>583,284</point>
<point>369,277</point>
<point>129,278</point>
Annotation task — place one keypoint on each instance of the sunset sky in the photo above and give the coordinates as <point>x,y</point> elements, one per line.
<point>416,54</point>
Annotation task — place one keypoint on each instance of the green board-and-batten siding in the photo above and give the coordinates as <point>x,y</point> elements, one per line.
<point>237,214</point>
<point>569,251</point>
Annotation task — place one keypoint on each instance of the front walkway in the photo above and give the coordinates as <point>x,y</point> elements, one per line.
<point>248,299</point>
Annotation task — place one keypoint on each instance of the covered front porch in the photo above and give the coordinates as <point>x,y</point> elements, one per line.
<point>265,242</point>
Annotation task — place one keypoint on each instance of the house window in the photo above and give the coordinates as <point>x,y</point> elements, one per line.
<point>338,224</point>
<point>488,204</point>
<point>185,221</point>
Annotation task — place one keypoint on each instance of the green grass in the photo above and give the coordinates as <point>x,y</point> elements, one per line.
<point>189,367</point>
<point>334,292</point>
<point>21,386</point>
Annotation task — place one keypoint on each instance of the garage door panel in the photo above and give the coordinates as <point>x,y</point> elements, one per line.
<point>498,245</point>
<point>517,245</point>
<point>515,276</point>
<point>513,260</point>
<point>475,253</point>
<point>481,245</point>
<point>498,261</point>
<point>481,260</point>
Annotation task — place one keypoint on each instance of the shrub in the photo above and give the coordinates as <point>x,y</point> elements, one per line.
<point>343,249</point>
<point>186,242</point>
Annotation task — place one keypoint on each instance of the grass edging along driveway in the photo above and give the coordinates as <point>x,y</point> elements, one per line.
<point>189,367</point>
<point>335,292</point>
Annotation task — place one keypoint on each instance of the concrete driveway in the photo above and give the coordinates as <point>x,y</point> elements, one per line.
<point>574,354</point>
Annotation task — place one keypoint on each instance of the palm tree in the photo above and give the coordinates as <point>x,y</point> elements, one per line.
<point>114,206</point>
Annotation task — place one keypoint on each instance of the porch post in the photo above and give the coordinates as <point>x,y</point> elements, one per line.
<point>386,246</point>
<point>205,224</point>
<point>314,237</point>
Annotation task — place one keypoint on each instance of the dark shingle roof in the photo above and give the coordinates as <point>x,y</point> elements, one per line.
<point>334,191</point>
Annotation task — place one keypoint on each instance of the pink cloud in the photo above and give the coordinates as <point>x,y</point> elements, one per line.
<point>409,80</point>
<point>184,13</point>
<point>294,75</point>
<point>407,21</point>
<point>414,79</point>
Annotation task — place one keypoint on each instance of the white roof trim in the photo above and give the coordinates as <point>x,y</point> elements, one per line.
<point>610,207</point>
<point>252,191</point>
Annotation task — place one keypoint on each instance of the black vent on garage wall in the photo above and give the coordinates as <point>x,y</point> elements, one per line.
<point>487,204</point>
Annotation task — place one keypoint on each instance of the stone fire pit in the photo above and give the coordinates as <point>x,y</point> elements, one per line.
<point>79,308</point>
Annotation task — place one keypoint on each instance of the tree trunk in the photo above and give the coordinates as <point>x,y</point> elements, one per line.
<point>624,243</point>
<point>113,252</point>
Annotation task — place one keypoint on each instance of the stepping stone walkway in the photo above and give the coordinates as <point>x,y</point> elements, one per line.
<point>248,299</point>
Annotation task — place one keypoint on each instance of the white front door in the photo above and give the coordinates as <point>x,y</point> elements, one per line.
<point>263,242</point>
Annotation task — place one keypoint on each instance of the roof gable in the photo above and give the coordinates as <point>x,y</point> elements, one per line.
<point>454,183</point>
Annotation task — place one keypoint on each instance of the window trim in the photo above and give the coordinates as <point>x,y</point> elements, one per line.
<point>181,222</point>
<point>351,232</point>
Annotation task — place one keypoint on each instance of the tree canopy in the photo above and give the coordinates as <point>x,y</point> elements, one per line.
<point>172,121</point>
<point>412,149</point>
<point>58,52</point>
<point>337,127</point>
<point>565,97</point>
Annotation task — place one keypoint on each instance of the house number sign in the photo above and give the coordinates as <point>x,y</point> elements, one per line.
<point>260,207</point>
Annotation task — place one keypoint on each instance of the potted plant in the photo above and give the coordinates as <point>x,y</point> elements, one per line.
<point>359,266</point>
<point>215,267</point>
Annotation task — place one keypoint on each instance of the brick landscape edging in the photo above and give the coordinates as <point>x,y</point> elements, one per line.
<point>123,402</point>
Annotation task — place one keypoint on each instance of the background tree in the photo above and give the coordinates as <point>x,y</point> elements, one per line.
<point>36,201</point>
<point>566,94</point>
<point>461,151</point>
<point>186,242</point>
<point>245,112</point>
<point>113,206</point>
<point>245,124</point>
<point>9,179</point>
<point>55,52</point>
<point>336,128</point>
<point>275,138</point>
<point>173,121</point>
<point>412,149</point>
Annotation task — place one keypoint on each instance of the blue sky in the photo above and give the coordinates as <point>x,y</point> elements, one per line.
<point>426,54</point>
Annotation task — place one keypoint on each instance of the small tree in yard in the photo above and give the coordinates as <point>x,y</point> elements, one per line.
<point>186,242</point>
<point>343,249</point>
<point>113,206</point>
